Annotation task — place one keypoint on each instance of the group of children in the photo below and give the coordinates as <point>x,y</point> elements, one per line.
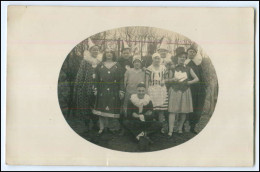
<point>168,89</point>
<point>137,93</point>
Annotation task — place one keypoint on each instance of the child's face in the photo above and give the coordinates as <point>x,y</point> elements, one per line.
<point>181,59</point>
<point>109,55</point>
<point>137,64</point>
<point>94,51</point>
<point>126,54</point>
<point>140,92</point>
<point>156,60</point>
<point>163,53</point>
<point>191,54</point>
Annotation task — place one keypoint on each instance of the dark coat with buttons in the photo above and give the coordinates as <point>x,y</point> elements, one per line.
<point>108,83</point>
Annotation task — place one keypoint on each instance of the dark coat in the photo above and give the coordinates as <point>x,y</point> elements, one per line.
<point>197,89</point>
<point>108,83</point>
<point>125,62</point>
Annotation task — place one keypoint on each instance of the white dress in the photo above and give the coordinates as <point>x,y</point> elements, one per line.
<point>156,91</point>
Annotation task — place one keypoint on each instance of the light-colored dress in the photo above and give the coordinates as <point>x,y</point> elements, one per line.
<point>132,78</point>
<point>180,98</point>
<point>156,91</point>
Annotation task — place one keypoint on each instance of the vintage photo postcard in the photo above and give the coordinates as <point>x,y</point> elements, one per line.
<point>130,86</point>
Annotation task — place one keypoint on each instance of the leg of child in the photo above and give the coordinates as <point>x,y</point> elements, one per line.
<point>101,124</point>
<point>162,120</point>
<point>106,122</point>
<point>171,123</point>
<point>161,116</point>
<point>126,100</point>
<point>182,120</point>
<point>152,127</point>
<point>113,124</point>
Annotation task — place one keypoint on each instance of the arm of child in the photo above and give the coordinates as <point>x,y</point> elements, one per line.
<point>135,115</point>
<point>96,79</point>
<point>171,78</point>
<point>147,78</point>
<point>126,76</point>
<point>149,113</point>
<point>121,82</point>
<point>194,76</point>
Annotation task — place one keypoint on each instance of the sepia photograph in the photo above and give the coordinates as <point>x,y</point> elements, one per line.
<point>137,89</point>
<point>99,86</point>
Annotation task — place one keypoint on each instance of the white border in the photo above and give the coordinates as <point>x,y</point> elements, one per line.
<point>4,5</point>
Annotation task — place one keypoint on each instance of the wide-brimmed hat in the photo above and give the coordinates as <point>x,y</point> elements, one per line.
<point>179,51</point>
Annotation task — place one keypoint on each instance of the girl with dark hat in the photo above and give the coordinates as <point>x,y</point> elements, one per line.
<point>180,98</point>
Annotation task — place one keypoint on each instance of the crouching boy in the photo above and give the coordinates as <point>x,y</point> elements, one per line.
<point>140,119</point>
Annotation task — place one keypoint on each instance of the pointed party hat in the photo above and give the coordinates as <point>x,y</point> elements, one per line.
<point>163,45</point>
<point>90,44</point>
<point>125,45</point>
<point>136,49</point>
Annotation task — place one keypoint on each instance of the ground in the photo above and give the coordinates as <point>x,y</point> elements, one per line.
<point>127,142</point>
